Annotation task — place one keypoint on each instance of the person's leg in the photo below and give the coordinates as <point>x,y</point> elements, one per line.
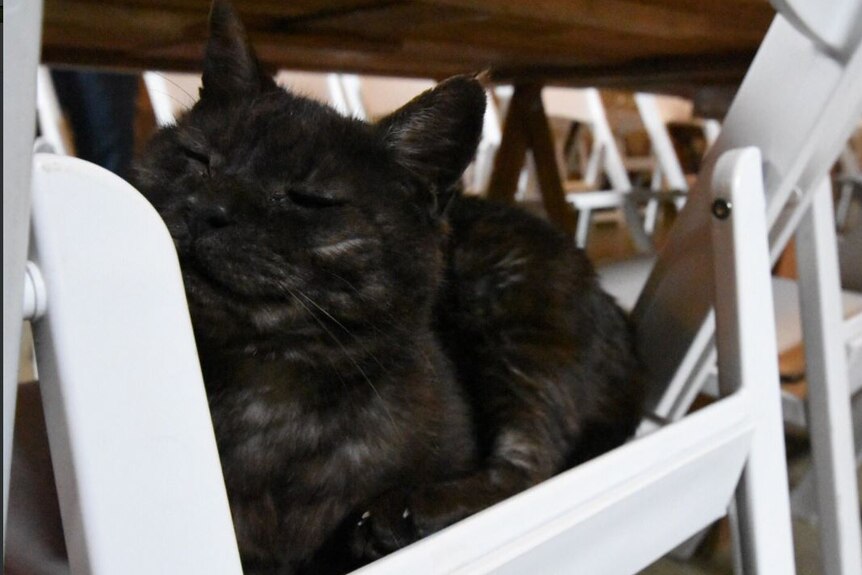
<point>101,111</point>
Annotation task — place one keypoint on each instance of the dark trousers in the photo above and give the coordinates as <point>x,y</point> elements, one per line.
<point>100,108</point>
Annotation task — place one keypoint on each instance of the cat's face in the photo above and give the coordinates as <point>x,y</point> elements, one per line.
<point>292,221</point>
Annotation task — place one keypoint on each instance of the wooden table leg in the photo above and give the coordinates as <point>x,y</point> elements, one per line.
<point>526,128</point>
<point>513,148</point>
<point>541,142</point>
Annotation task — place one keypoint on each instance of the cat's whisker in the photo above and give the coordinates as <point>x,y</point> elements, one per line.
<point>329,315</point>
<point>393,321</point>
<point>346,353</point>
<point>356,338</point>
<point>184,105</point>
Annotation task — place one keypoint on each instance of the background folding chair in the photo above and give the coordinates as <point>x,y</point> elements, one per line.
<point>656,112</point>
<point>372,97</point>
<point>605,158</point>
<point>173,93</point>
<point>850,181</point>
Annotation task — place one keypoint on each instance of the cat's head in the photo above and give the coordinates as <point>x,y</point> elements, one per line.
<point>294,223</point>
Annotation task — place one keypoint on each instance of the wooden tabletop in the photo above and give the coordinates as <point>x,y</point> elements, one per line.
<point>666,45</point>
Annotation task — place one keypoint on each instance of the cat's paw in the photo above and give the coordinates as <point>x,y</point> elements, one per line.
<point>385,526</point>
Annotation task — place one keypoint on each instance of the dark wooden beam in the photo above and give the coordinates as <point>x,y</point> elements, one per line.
<point>526,128</point>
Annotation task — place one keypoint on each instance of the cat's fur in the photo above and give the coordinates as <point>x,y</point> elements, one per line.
<point>383,356</point>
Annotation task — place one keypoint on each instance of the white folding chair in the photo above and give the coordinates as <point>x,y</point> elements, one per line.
<point>154,481</point>
<point>140,487</point>
<point>655,114</point>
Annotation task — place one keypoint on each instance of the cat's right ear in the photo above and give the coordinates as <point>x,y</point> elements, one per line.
<point>231,68</point>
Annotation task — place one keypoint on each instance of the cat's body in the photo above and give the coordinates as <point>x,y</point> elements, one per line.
<point>382,356</point>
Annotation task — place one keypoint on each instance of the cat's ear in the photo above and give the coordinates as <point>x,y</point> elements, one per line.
<point>231,69</point>
<point>435,135</point>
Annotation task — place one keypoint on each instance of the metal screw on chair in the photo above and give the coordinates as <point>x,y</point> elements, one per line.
<point>721,208</point>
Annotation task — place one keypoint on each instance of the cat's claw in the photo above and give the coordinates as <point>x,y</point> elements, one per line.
<point>386,527</point>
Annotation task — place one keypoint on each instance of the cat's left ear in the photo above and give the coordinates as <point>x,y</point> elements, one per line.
<point>435,135</point>
<point>231,68</point>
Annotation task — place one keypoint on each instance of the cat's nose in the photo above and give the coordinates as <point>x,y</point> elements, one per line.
<point>207,213</point>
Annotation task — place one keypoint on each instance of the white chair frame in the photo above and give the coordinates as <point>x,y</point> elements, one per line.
<point>814,114</point>
<point>579,521</point>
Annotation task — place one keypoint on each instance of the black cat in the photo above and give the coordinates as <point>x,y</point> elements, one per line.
<point>383,357</point>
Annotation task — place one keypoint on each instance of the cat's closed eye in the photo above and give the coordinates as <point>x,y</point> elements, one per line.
<point>201,159</point>
<point>310,199</point>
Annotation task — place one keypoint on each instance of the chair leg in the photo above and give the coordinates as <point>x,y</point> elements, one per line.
<point>803,498</point>
<point>583,229</point>
<point>842,210</point>
<point>19,119</point>
<point>747,358</point>
<point>830,425</point>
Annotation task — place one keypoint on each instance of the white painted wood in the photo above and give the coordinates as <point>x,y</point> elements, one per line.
<point>748,359</point>
<point>655,123</point>
<point>21,37</point>
<point>837,27</point>
<point>49,114</point>
<point>586,106</point>
<point>830,428</point>
<point>600,517</point>
<point>132,444</point>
